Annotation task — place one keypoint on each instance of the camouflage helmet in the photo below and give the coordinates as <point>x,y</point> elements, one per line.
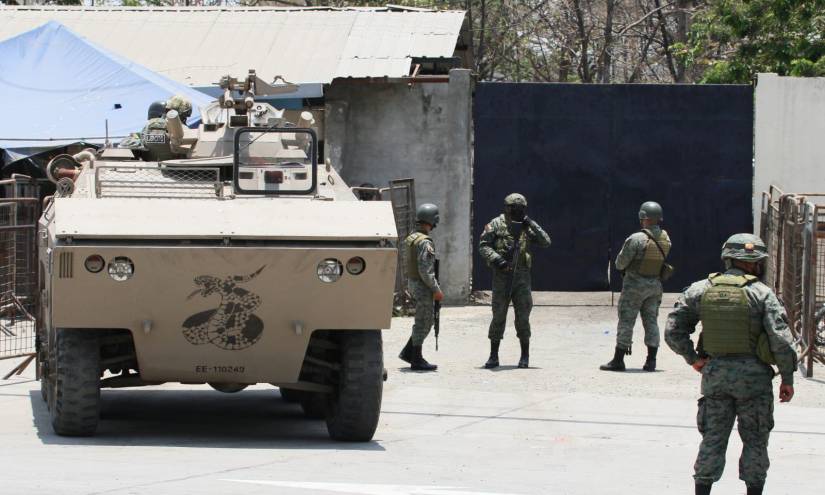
<point>427,213</point>
<point>650,210</point>
<point>181,105</point>
<point>156,109</point>
<point>744,247</point>
<point>515,199</point>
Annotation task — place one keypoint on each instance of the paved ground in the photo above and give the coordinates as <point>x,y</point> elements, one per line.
<point>562,427</point>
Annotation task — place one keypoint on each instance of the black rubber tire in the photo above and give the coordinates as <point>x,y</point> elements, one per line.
<point>44,391</point>
<point>314,404</point>
<point>75,407</point>
<point>290,395</point>
<point>355,406</point>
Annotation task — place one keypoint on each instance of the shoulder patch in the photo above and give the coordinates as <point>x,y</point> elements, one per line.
<point>155,137</point>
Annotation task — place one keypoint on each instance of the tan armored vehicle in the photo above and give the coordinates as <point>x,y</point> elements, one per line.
<point>237,260</point>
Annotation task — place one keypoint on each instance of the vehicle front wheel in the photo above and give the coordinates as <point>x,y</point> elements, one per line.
<point>355,404</point>
<point>74,405</point>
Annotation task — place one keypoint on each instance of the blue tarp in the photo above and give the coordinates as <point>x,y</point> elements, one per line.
<point>57,88</point>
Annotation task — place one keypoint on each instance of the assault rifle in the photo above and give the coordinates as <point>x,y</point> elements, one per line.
<point>514,255</point>
<point>436,307</point>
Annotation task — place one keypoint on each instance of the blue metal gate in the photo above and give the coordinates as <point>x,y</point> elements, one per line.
<point>586,157</point>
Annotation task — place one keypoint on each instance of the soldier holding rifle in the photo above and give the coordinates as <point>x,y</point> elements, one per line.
<point>505,246</point>
<point>420,262</point>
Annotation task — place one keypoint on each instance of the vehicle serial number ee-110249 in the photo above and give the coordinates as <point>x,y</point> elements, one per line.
<point>218,369</point>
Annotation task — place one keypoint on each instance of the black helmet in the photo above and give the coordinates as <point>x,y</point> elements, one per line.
<point>427,213</point>
<point>651,210</point>
<point>157,109</point>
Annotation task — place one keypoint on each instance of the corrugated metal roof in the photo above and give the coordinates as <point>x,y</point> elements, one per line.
<point>197,46</point>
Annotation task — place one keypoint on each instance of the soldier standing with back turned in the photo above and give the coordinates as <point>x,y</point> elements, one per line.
<point>419,262</point>
<point>511,277</point>
<point>640,261</point>
<point>744,330</point>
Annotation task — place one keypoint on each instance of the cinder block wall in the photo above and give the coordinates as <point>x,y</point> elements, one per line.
<point>377,132</point>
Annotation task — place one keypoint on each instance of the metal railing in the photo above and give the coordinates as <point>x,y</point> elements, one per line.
<point>19,212</point>
<point>793,228</point>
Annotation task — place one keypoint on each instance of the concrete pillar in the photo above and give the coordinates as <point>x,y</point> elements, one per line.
<point>376,132</point>
<point>789,130</point>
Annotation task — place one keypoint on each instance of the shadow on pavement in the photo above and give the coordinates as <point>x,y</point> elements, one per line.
<point>251,419</point>
<point>16,383</point>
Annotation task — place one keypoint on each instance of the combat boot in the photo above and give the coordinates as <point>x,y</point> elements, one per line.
<point>524,361</point>
<point>755,490</point>
<point>617,364</point>
<point>703,489</point>
<point>418,362</point>
<point>492,361</point>
<point>406,352</point>
<point>650,362</point>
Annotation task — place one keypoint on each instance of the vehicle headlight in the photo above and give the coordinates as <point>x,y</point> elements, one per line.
<point>95,263</point>
<point>356,265</point>
<point>329,270</point>
<point>121,269</point>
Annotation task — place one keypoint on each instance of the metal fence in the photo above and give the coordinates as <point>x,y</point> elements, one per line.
<point>19,211</point>
<point>793,227</point>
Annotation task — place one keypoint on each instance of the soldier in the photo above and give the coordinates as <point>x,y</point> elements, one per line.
<point>744,330</point>
<point>157,111</point>
<point>154,134</point>
<point>420,258</point>
<point>640,261</point>
<point>511,277</point>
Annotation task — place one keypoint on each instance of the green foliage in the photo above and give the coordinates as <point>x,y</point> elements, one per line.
<point>735,39</point>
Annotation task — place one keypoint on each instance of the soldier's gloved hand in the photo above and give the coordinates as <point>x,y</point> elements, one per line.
<point>502,264</point>
<point>438,296</point>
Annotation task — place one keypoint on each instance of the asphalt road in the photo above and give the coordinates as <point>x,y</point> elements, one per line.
<point>561,427</point>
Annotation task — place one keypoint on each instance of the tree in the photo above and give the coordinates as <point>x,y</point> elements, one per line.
<point>735,39</point>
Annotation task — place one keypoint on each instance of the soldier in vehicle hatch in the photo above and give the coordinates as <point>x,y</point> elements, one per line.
<point>419,262</point>
<point>505,246</point>
<point>154,136</point>
<point>642,262</point>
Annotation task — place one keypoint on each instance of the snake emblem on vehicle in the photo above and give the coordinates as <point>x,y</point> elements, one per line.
<point>232,325</point>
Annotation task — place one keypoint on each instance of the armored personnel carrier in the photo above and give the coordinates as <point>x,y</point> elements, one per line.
<point>235,259</point>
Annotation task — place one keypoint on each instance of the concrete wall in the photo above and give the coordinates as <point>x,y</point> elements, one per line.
<point>377,132</point>
<point>790,136</point>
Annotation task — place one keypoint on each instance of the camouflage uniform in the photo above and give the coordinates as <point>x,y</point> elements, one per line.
<point>496,242</point>
<point>640,294</point>
<point>735,386</point>
<point>154,138</point>
<point>423,288</point>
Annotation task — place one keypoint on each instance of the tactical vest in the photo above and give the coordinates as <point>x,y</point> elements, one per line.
<point>726,320</point>
<point>504,241</point>
<point>155,139</point>
<point>411,244</point>
<point>650,265</point>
